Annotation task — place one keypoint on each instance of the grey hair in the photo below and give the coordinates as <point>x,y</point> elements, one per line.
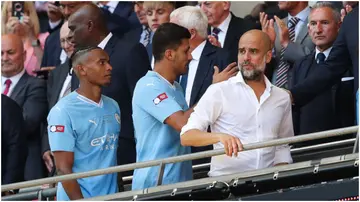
<point>327,4</point>
<point>191,17</point>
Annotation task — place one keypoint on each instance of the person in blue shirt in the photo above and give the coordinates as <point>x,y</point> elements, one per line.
<point>160,109</point>
<point>83,129</point>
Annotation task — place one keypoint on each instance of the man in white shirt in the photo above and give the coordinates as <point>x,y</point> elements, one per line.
<point>242,110</point>
<point>225,29</point>
<point>205,57</point>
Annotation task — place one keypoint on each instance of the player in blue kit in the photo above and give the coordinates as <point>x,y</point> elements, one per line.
<point>160,109</point>
<point>83,129</point>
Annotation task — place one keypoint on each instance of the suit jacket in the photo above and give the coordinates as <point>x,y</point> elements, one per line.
<point>344,54</point>
<point>30,94</point>
<point>129,62</point>
<point>134,35</point>
<point>13,142</point>
<point>296,50</point>
<point>237,28</point>
<point>325,111</point>
<point>126,10</point>
<point>52,50</point>
<point>55,83</point>
<point>210,57</point>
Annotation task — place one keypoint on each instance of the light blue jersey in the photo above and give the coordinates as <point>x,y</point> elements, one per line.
<point>155,99</point>
<point>90,130</point>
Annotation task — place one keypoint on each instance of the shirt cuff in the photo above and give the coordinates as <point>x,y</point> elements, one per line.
<point>282,154</point>
<point>54,24</point>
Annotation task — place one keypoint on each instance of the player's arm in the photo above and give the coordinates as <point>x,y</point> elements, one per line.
<point>64,162</point>
<point>179,119</point>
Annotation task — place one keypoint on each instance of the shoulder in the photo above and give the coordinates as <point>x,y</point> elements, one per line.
<point>33,81</point>
<point>281,94</point>
<point>149,82</point>
<point>110,101</point>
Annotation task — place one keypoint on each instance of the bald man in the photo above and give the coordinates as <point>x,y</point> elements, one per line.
<point>245,109</point>
<point>30,94</point>
<point>58,86</point>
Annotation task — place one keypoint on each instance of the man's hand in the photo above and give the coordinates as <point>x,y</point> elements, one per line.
<point>214,41</point>
<point>53,12</point>
<point>267,26</point>
<point>283,32</point>
<point>13,25</point>
<point>230,71</point>
<point>232,145</point>
<point>48,161</point>
<point>345,11</point>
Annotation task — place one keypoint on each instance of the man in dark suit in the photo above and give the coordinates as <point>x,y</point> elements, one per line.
<point>30,94</point>
<point>202,71</point>
<point>58,86</point>
<point>129,62</point>
<point>290,39</point>
<point>225,29</point>
<point>325,111</point>
<point>343,55</point>
<point>140,34</point>
<point>53,54</point>
<point>13,141</point>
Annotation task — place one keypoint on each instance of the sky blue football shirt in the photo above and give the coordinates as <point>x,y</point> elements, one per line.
<point>90,130</point>
<point>155,99</point>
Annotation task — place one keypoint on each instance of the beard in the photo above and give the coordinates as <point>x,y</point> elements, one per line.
<point>255,73</point>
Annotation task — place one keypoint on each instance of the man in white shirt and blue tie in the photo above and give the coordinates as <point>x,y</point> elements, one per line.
<point>244,109</point>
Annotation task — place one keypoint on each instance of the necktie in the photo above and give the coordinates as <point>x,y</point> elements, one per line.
<point>282,71</point>
<point>7,86</point>
<point>215,32</point>
<point>183,80</point>
<point>146,40</point>
<point>320,58</point>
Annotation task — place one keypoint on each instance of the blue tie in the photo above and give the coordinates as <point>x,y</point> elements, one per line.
<point>183,81</point>
<point>320,58</point>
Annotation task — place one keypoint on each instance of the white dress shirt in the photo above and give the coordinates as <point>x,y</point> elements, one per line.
<point>224,26</point>
<point>303,15</point>
<point>65,84</point>
<point>193,66</point>
<point>112,6</point>
<point>14,80</point>
<point>103,43</point>
<point>232,107</point>
<point>63,56</point>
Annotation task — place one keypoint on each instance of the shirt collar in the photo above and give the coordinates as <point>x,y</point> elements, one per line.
<point>302,15</point>
<point>153,73</point>
<point>240,79</point>
<point>112,4</point>
<point>326,52</point>
<point>224,26</point>
<point>14,79</point>
<point>89,101</point>
<point>196,53</point>
<point>103,43</point>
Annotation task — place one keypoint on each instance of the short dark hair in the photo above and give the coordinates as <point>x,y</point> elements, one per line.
<point>168,36</point>
<point>78,53</point>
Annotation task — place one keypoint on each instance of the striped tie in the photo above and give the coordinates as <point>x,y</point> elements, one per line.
<point>146,40</point>
<point>282,72</point>
<point>216,32</point>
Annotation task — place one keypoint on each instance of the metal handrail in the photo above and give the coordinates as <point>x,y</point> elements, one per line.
<point>199,155</point>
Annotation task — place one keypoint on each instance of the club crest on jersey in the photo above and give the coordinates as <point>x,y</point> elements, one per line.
<point>117,117</point>
<point>160,98</point>
<point>57,128</point>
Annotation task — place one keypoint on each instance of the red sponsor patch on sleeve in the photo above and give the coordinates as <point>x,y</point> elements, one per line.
<point>160,98</point>
<point>57,128</point>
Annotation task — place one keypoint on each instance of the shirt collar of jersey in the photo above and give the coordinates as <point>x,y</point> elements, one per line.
<point>240,79</point>
<point>161,77</point>
<point>87,100</point>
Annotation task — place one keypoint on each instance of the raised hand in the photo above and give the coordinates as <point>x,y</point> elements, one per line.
<point>214,41</point>
<point>230,71</point>
<point>267,26</point>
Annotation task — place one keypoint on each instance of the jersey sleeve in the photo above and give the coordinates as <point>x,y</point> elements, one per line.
<point>61,134</point>
<point>155,100</point>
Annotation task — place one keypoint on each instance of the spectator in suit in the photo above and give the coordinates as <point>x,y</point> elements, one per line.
<point>225,29</point>
<point>30,94</point>
<point>207,60</point>
<point>332,108</point>
<point>290,38</point>
<point>53,53</point>
<point>157,13</point>
<point>244,109</point>
<point>140,34</point>
<point>58,86</point>
<point>129,62</point>
<point>13,142</point>
<point>343,56</point>
<point>122,9</point>
<point>28,28</point>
